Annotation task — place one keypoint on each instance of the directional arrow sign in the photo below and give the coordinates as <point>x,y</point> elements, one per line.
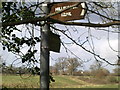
<point>74,13</point>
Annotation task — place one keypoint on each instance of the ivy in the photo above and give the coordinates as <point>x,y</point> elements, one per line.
<point>29,56</point>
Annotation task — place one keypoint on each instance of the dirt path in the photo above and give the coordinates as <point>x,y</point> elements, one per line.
<point>82,83</point>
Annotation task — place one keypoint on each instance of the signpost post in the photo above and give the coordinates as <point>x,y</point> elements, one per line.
<point>48,38</point>
<point>44,56</point>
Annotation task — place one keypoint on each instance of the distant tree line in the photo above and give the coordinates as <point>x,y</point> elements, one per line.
<point>70,66</point>
<point>63,66</point>
<point>14,70</point>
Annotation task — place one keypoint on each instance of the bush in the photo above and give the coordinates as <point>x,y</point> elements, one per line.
<point>113,79</point>
<point>101,73</point>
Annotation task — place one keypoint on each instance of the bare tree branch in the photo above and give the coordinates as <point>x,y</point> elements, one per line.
<point>35,20</point>
<point>93,53</point>
<point>86,24</point>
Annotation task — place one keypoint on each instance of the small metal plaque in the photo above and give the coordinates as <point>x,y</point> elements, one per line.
<point>54,42</point>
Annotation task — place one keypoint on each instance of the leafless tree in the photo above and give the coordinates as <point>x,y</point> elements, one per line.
<point>72,65</point>
<point>61,65</point>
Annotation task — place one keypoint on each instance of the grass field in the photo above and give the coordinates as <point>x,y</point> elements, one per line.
<point>15,81</point>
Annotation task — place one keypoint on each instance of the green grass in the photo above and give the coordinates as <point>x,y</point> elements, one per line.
<point>65,82</point>
<point>15,81</point>
<point>12,81</point>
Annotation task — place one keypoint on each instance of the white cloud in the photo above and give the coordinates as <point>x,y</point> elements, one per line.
<point>105,51</point>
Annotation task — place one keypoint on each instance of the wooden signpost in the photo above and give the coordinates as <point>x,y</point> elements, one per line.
<point>51,41</point>
<point>74,13</point>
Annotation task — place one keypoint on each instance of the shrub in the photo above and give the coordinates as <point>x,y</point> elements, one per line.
<point>113,79</point>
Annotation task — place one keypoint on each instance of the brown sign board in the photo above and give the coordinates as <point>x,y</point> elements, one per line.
<point>74,13</point>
